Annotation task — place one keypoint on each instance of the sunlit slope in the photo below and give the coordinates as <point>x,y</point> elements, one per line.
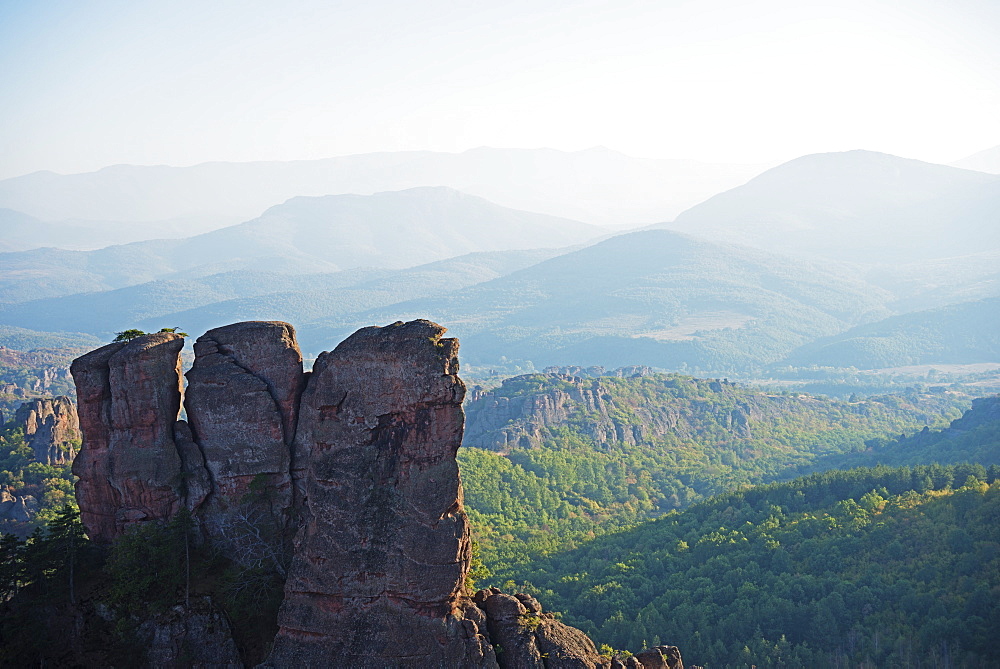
<point>652,297</point>
<point>867,567</point>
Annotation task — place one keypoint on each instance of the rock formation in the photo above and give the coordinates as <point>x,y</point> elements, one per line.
<point>518,415</point>
<point>357,457</point>
<point>381,560</point>
<point>51,427</point>
<point>242,406</point>
<point>129,395</point>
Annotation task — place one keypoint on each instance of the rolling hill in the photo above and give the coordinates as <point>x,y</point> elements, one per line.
<point>654,297</point>
<point>956,334</point>
<point>199,304</point>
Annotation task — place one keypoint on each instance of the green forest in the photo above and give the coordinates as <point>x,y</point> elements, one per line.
<point>569,486</point>
<point>875,567</point>
<point>747,527</point>
<point>682,540</point>
<point>49,486</point>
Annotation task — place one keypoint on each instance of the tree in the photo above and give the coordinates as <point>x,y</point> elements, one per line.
<point>128,335</point>
<point>65,536</point>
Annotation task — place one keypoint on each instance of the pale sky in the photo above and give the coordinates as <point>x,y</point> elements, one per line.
<point>88,83</point>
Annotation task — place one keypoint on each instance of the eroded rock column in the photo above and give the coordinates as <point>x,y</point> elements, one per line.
<point>51,427</point>
<point>128,395</point>
<point>380,562</point>
<point>242,404</point>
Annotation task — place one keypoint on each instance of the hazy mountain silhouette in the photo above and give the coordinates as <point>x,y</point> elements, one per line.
<point>304,235</point>
<point>857,206</point>
<point>200,304</point>
<point>983,161</point>
<point>598,186</point>
<point>956,334</point>
<point>653,297</point>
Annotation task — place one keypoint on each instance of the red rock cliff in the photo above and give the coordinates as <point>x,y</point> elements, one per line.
<point>242,404</point>
<point>381,560</point>
<point>129,395</point>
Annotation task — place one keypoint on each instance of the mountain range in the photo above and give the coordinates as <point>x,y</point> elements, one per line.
<point>801,265</point>
<point>125,203</point>
<point>304,235</point>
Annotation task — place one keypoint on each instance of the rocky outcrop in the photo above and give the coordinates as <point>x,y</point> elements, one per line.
<point>984,410</point>
<point>242,404</point>
<point>530,638</point>
<point>16,508</point>
<point>51,428</point>
<point>357,457</point>
<point>380,563</point>
<point>129,469</point>
<point>520,412</point>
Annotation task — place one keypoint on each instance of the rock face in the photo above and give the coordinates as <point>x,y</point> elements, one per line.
<point>129,395</point>
<point>518,414</point>
<point>357,459</point>
<point>195,637</point>
<point>51,428</point>
<point>380,563</point>
<point>242,405</point>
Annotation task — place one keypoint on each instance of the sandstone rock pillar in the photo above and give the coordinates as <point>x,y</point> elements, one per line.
<point>380,562</point>
<point>128,395</point>
<point>242,404</point>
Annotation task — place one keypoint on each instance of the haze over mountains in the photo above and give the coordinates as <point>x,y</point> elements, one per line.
<point>983,161</point>
<point>118,204</point>
<point>858,206</point>
<point>770,272</point>
<point>304,235</point>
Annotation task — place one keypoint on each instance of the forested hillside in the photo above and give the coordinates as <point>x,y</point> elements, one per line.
<point>870,567</point>
<point>551,461</point>
<point>975,437</point>
<point>652,297</point>
<point>41,372</point>
<point>959,333</point>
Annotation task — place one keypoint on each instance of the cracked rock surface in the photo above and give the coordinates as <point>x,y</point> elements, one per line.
<point>242,403</point>
<point>384,550</point>
<point>129,395</point>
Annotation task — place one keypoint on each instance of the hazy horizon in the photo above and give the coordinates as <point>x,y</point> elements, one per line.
<point>99,83</point>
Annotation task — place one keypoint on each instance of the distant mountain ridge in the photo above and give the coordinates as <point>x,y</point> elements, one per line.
<point>304,235</point>
<point>987,160</point>
<point>856,206</point>
<point>654,297</point>
<point>597,185</point>
<point>956,334</point>
<point>201,303</point>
